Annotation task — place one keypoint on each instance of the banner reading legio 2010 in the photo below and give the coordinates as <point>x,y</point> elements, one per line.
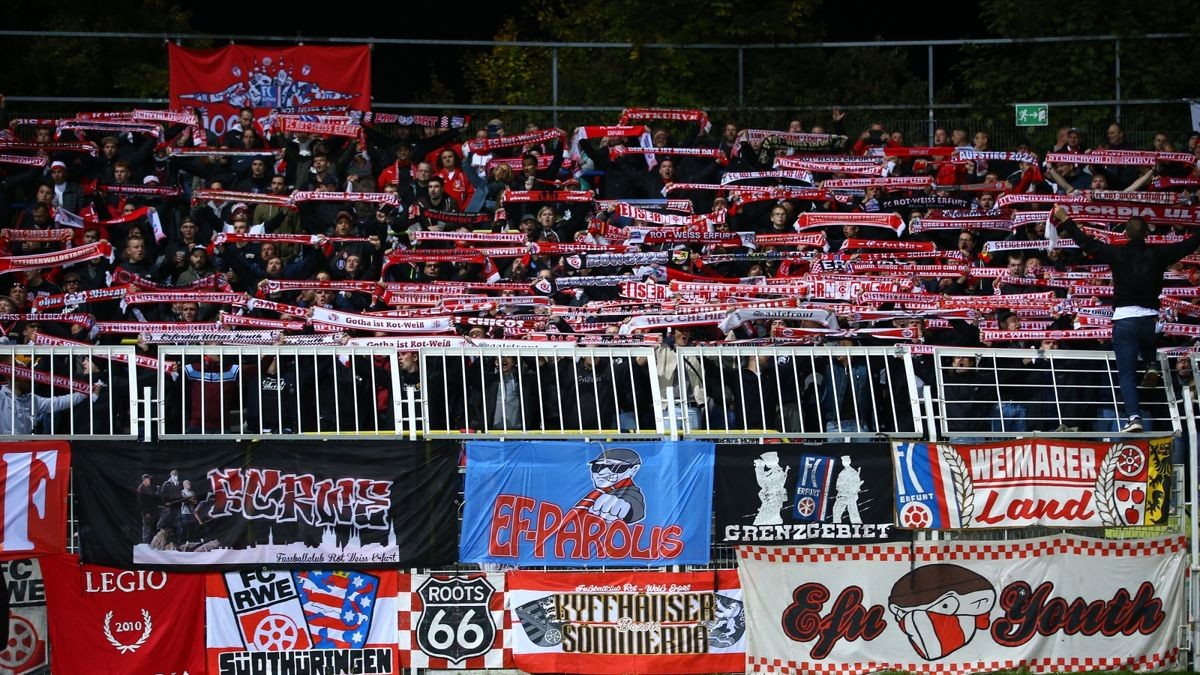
<point>283,505</point>
<point>833,493</point>
<point>265,622</point>
<point>1057,483</point>
<point>627,622</point>
<point>583,504</point>
<point>1050,605</point>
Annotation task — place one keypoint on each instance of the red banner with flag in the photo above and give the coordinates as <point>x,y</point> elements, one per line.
<point>224,80</point>
<point>33,486</point>
<point>108,620</point>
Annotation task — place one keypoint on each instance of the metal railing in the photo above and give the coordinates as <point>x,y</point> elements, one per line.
<point>741,72</point>
<point>310,391</point>
<point>797,392</point>
<point>66,392</point>
<point>1008,393</point>
<point>546,391</point>
<point>552,390</point>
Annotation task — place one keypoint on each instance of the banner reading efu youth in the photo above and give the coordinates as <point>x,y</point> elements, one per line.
<point>579,504</point>
<point>284,505</point>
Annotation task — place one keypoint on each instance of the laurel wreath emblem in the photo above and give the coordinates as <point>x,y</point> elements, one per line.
<point>124,648</point>
<point>964,488</point>
<point>1106,504</point>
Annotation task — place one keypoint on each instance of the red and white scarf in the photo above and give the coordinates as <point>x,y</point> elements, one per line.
<point>894,183</point>
<point>66,258</point>
<point>22,160</point>
<point>481,146</point>
<point>381,324</point>
<point>528,196</point>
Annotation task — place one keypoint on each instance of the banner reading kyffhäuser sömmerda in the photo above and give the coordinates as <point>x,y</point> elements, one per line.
<point>1063,483</point>
<point>627,622</point>
<point>1052,604</point>
<point>584,504</point>
<point>831,493</point>
<point>268,622</point>
<point>285,505</point>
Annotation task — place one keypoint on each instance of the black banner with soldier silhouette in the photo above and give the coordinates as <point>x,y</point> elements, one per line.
<point>830,493</point>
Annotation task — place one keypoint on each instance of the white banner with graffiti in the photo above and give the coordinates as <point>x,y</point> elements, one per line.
<point>1054,604</point>
<point>1064,483</point>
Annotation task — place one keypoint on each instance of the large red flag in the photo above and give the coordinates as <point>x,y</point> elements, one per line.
<point>105,620</point>
<point>224,80</point>
<point>33,497</point>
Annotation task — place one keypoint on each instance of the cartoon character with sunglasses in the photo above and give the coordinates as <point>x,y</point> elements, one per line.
<point>615,496</point>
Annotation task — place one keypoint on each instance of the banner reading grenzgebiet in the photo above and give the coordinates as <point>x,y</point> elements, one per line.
<point>830,493</point>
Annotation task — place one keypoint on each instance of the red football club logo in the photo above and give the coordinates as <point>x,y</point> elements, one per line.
<point>269,632</point>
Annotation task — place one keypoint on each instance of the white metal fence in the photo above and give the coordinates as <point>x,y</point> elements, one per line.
<point>568,391</point>
<point>1008,393</point>
<point>208,391</point>
<point>66,391</point>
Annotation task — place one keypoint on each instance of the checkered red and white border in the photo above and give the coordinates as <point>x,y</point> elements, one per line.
<point>409,607</point>
<point>756,664</point>
<point>1015,550</point>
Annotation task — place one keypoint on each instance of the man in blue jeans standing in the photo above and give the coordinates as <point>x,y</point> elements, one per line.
<point>1137,282</point>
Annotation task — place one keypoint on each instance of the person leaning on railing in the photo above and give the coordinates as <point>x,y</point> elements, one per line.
<point>1138,272</point>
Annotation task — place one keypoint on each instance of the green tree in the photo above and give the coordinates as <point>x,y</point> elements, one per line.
<point>95,68</point>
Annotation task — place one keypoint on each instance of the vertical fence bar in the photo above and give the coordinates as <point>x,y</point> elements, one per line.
<point>554,85</point>
<point>929,77</point>
<point>741,77</point>
<point>1117,77</point>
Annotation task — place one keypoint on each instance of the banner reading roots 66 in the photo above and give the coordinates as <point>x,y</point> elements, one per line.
<point>627,622</point>
<point>1050,605</point>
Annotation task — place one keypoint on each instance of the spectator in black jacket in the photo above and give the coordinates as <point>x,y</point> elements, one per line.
<point>1138,272</point>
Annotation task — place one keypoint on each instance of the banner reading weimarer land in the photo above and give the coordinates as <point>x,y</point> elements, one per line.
<point>1064,483</point>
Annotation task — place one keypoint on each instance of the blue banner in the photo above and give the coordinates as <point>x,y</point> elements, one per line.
<point>582,504</point>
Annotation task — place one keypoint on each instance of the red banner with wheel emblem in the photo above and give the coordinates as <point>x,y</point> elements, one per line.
<point>310,621</point>
<point>106,620</point>
<point>1055,483</point>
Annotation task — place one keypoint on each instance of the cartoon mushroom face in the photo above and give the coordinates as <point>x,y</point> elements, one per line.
<point>940,607</point>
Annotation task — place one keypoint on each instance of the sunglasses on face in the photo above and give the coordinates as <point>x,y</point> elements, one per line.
<point>620,467</point>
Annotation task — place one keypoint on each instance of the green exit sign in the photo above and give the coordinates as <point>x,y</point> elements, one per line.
<point>1032,114</point>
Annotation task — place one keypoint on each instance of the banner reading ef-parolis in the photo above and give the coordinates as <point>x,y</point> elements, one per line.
<point>582,504</point>
<point>1050,605</point>
<point>627,622</point>
<point>832,493</point>
<point>295,505</point>
<point>1057,483</point>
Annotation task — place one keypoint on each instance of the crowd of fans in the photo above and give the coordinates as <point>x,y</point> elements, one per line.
<point>615,235</point>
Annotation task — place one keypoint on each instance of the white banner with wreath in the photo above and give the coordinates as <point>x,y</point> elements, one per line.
<point>1058,483</point>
